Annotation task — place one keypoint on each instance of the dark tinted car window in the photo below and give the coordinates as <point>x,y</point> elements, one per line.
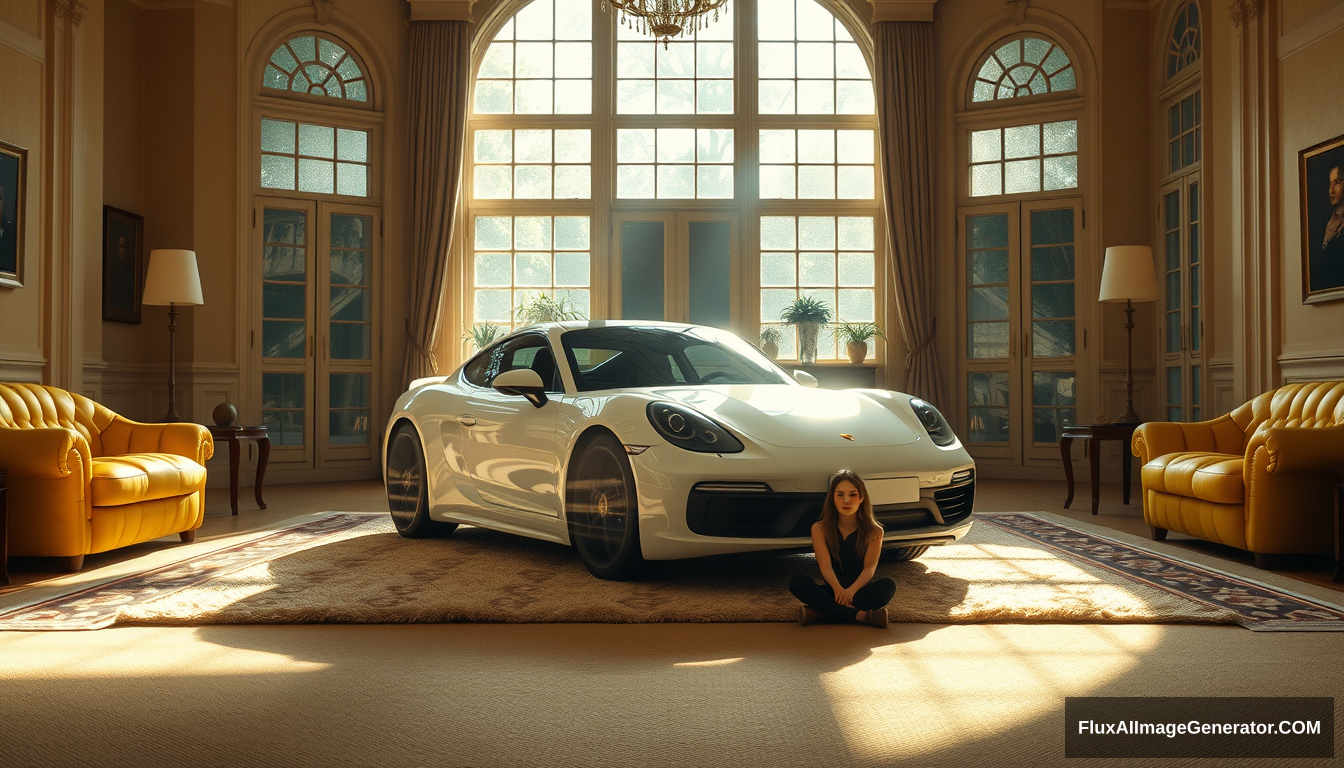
<point>636,356</point>
<point>530,351</point>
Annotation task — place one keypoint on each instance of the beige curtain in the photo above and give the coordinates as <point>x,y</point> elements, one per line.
<point>440,78</point>
<point>905,103</point>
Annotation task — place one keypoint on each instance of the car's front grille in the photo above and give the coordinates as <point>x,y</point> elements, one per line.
<point>955,503</point>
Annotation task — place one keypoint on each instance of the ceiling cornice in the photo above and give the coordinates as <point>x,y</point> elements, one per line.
<point>902,10</point>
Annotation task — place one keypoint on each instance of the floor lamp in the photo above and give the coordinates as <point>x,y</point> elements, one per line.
<point>173,281</point>
<point>1127,275</point>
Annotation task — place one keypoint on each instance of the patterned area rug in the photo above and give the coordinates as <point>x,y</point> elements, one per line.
<point>354,568</point>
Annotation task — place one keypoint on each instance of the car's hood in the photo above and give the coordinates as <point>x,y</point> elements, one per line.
<point>796,417</point>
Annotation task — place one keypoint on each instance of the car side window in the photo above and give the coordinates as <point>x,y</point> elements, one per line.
<point>529,351</point>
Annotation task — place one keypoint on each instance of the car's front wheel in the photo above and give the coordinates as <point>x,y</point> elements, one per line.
<point>408,487</point>
<point>901,554</point>
<point>603,511</point>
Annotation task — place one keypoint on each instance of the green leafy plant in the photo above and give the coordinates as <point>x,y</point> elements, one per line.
<point>541,308</point>
<point>771,334</point>
<point>858,333</point>
<point>483,334</point>
<point>806,309</point>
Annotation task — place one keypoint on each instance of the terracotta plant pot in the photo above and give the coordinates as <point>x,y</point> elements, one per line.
<point>857,351</point>
<point>770,350</point>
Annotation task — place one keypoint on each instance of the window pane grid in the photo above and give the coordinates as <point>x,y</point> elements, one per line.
<point>830,258</point>
<point>987,286</point>
<point>1184,130</point>
<point>284,326</point>
<point>987,407</point>
<point>1183,45</point>
<point>692,74</point>
<point>314,158</point>
<point>820,164</point>
<point>1053,404</point>
<point>808,64</point>
<point>318,66</point>
<point>540,62</point>
<point>1024,158</point>
<point>518,258</point>
<point>674,163</point>
<point>1028,66</point>
<point>537,164</point>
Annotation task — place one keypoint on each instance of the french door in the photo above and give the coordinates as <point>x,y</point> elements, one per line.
<point>317,345</point>
<point>1018,380</point>
<point>1182,323</point>
<point>680,267</point>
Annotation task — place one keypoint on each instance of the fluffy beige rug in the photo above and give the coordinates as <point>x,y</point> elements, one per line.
<point>367,573</point>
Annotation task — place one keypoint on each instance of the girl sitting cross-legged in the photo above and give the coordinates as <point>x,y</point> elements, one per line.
<point>848,542</point>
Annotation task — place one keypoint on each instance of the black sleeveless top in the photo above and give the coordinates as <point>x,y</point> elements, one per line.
<point>850,561</point>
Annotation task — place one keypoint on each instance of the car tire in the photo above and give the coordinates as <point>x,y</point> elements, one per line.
<point>902,554</point>
<point>407,487</point>
<point>602,510</point>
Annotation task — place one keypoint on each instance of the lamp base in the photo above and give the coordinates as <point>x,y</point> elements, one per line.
<point>1128,417</point>
<point>171,418</point>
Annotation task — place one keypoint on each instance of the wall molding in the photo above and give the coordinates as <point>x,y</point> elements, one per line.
<point>21,40</point>
<point>1302,36</point>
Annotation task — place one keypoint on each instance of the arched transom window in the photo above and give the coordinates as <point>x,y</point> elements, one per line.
<point>1025,66</point>
<point>1184,43</point>
<point>742,150</point>
<point>318,66</point>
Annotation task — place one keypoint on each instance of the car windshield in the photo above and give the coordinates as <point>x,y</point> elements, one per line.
<point>619,357</point>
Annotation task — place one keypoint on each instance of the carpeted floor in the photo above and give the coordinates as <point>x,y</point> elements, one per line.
<point>353,568</point>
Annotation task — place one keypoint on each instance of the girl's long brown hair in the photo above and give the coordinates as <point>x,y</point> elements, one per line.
<point>830,517</point>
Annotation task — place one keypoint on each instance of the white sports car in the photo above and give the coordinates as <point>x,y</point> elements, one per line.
<point>637,441</point>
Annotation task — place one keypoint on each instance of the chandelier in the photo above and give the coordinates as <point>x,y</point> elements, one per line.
<point>666,19</point>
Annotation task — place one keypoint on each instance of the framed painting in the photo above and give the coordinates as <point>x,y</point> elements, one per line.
<point>13,198</point>
<point>1321,170</point>
<point>123,264</point>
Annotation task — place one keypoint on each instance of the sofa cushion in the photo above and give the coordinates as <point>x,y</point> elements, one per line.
<point>1212,477</point>
<point>133,477</point>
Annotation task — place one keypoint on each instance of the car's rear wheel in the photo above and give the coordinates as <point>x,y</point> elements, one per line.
<point>901,554</point>
<point>603,511</point>
<point>408,487</point>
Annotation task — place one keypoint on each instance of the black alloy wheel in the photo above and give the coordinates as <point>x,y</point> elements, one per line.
<point>407,489</point>
<point>901,554</point>
<point>603,510</point>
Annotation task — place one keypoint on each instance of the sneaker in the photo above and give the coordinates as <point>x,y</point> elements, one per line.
<point>809,615</point>
<point>877,618</point>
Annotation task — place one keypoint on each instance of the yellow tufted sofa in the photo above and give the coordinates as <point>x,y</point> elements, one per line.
<point>83,479</point>
<point>1257,479</point>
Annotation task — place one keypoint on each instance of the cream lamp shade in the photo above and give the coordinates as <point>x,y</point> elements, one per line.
<point>173,278</point>
<point>1127,274</point>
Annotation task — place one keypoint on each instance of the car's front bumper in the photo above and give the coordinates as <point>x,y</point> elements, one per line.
<point>692,505</point>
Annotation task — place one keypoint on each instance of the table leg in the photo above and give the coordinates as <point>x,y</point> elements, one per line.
<point>1066,453</point>
<point>263,453</point>
<point>1094,456</point>
<point>1125,457</point>
<point>233,474</point>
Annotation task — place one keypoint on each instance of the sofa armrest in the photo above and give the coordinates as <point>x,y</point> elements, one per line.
<point>181,438</point>
<point>1304,450</point>
<point>48,453</point>
<point>1158,438</point>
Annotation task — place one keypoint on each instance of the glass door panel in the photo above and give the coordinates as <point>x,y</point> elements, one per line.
<point>345,384</point>
<point>285,244</point>
<point>709,273</point>
<point>642,249</point>
<point>1182,297</point>
<point>992,277</point>
<point>1049,346</point>
<point>676,267</point>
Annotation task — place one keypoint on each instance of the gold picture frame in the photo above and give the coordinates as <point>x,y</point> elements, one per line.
<point>13,210</point>
<point>1321,175</point>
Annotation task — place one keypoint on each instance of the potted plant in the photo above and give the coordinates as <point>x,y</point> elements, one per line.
<point>541,308</point>
<point>483,334</point>
<point>771,335</point>
<point>856,336</point>
<point>808,313</point>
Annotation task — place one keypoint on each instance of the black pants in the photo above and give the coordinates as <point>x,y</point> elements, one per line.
<point>875,594</point>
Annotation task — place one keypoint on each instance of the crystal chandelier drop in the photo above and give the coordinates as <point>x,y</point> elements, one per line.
<point>666,19</point>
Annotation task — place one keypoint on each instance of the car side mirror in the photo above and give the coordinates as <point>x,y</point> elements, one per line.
<point>524,382</point>
<point>805,378</point>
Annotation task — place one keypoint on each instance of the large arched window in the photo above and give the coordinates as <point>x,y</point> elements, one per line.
<point>1019,232</point>
<point>316,253</point>
<point>712,180</point>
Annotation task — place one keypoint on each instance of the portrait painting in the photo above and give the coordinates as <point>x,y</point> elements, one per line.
<point>1322,177</point>
<point>13,190</point>
<point>123,264</point>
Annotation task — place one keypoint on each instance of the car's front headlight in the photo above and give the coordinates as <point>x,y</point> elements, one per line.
<point>934,423</point>
<point>687,429</point>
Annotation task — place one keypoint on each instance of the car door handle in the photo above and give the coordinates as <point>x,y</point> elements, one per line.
<point>465,419</point>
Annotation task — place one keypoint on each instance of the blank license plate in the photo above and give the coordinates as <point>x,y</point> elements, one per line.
<point>897,490</point>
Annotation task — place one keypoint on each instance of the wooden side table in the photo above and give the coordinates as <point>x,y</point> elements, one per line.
<point>4,528</point>
<point>1095,434</point>
<point>234,435</point>
<point>1339,527</point>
